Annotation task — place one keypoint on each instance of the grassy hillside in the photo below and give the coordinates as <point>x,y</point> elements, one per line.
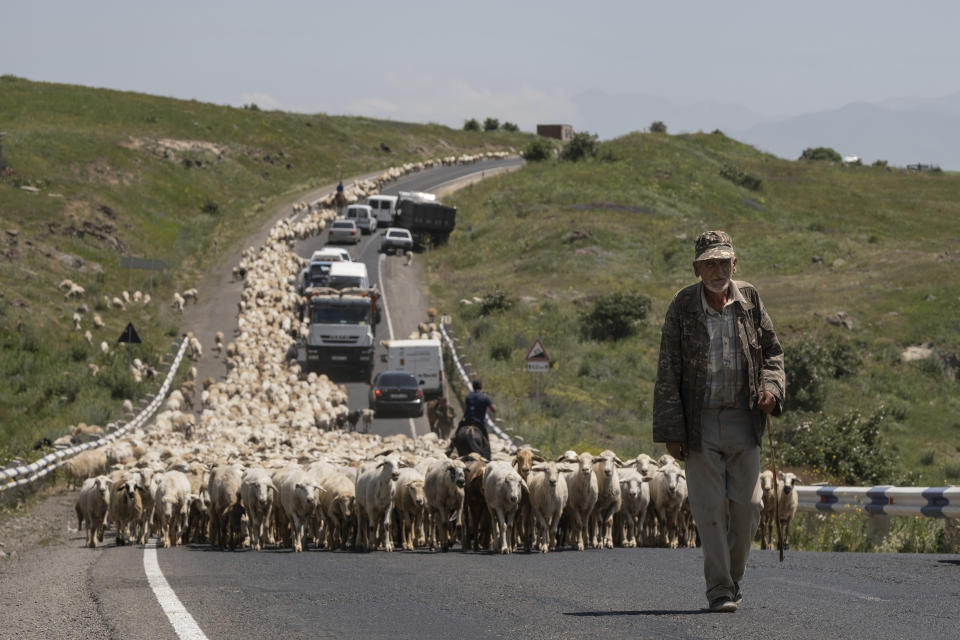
<point>880,245</point>
<point>121,173</point>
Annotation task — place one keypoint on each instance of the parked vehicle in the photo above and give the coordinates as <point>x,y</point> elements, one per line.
<point>317,271</point>
<point>423,359</point>
<point>363,215</point>
<point>396,391</point>
<point>344,231</point>
<point>395,240</point>
<point>384,208</point>
<point>428,221</point>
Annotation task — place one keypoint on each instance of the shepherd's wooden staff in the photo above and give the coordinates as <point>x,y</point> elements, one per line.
<point>776,491</point>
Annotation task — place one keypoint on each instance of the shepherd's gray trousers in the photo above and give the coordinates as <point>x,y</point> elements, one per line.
<point>723,480</point>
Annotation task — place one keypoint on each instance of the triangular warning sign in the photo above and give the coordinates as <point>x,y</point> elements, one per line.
<point>129,335</point>
<point>537,353</point>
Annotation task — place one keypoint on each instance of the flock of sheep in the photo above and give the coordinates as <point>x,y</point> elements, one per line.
<point>268,458</point>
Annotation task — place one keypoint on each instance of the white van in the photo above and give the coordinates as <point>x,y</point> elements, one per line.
<point>422,358</point>
<point>363,216</point>
<point>384,208</point>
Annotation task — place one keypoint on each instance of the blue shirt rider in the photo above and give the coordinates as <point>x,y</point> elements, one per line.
<point>476,405</point>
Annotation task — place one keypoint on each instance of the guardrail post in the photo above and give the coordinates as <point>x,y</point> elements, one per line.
<point>878,526</point>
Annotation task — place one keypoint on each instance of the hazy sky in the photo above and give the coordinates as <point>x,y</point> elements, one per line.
<point>519,61</point>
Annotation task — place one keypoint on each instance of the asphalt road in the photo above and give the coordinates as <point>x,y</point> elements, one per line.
<point>58,589</point>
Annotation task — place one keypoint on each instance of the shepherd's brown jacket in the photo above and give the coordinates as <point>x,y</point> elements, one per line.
<point>682,368</point>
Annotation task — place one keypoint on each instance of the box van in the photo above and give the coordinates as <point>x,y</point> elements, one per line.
<point>384,208</point>
<point>363,216</point>
<point>422,358</point>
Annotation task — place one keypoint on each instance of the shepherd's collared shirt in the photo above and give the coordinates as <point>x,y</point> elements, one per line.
<point>726,368</point>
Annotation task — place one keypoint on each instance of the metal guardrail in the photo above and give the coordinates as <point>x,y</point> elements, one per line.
<point>932,502</point>
<point>25,474</point>
<point>491,425</point>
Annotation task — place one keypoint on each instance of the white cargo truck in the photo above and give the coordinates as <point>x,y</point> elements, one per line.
<point>422,358</point>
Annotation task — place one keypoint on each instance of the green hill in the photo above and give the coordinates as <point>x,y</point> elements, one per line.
<point>880,245</point>
<point>112,173</point>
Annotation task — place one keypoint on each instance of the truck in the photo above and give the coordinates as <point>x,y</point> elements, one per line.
<point>422,358</point>
<point>430,222</point>
<point>341,328</point>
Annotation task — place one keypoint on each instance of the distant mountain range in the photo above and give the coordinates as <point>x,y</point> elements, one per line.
<point>899,130</point>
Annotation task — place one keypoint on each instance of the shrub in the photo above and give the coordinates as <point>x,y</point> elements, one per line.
<point>740,177</point>
<point>498,300</point>
<point>251,107</point>
<point>501,350</point>
<point>509,126</point>
<point>471,125</point>
<point>658,126</point>
<point>614,316</point>
<point>538,149</point>
<point>581,147</point>
<point>811,363</point>
<point>849,448</point>
<point>211,207</point>
<point>880,164</point>
<point>820,153</point>
<point>491,124</point>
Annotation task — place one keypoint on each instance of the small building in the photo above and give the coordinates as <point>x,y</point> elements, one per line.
<point>562,132</point>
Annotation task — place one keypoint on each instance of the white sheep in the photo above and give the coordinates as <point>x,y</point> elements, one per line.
<point>226,508</point>
<point>74,291</point>
<point>410,505</point>
<point>444,484</point>
<point>789,501</point>
<point>92,507</point>
<point>635,499</point>
<point>582,489</point>
<point>503,488</point>
<point>258,495</point>
<point>126,504</point>
<point>178,301</point>
<point>605,467</point>
<point>172,505</point>
<point>86,464</point>
<point>668,490</point>
<point>190,295</point>
<point>337,508</point>
<point>97,321</point>
<point>768,510</point>
<point>299,496</point>
<point>376,483</point>
<point>548,497</point>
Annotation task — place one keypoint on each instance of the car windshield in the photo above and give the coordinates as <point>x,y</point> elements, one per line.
<point>396,379</point>
<point>339,314</point>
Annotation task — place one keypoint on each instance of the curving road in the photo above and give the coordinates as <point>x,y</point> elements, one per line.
<point>620,593</point>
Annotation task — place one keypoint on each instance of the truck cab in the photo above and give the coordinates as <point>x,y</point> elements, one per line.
<point>341,330</point>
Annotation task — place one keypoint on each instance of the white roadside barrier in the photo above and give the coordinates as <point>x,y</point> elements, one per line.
<point>931,502</point>
<point>491,425</point>
<point>25,474</point>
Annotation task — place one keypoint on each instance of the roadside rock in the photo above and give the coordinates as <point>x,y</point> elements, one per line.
<point>841,318</point>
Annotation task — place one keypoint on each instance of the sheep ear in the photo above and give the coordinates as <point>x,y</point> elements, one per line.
<point>561,459</point>
<point>516,463</point>
<point>299,485</point>
<point>539,458</point>
<point>538,467</point>
<point>381,464</point>
<point>618,461</point>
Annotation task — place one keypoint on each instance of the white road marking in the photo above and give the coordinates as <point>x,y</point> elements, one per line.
<point>183,623</point>
<point>386,314</point>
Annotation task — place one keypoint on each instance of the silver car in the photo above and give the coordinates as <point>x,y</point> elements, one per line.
<point>344,231</point>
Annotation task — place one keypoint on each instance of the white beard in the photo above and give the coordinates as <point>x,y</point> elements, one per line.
<point>714,289</point>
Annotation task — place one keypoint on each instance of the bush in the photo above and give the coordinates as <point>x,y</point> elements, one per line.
<point>820,153</point>
<point>880,164</point>
<point>509,126</point>
<point>658,126</point>
<point>581,147</point>
<point>471,125</point>
<point>501,350</point>
<point>614,316</point>
<point>211,207</point>
<point>811,363</point>
<point>538,149</point>
<point>741,178</point>
<point>491,124</point>
<point>848,448</point>
<point>498,300</point>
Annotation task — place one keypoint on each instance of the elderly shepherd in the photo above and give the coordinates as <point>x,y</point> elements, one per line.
<point>720,370</point>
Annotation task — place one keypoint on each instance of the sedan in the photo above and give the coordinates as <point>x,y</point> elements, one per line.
<point>396,240</point>
<point>396,391</point>
<point>344,231</point>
